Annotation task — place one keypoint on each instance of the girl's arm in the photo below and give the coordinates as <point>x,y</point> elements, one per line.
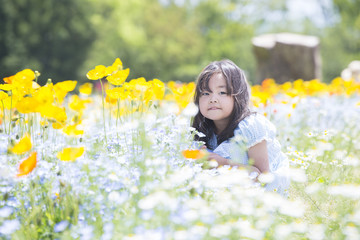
<point>258,153</point>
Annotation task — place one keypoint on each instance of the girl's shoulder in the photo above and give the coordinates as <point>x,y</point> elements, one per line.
<point>255,120</point>
<point>255,128</point>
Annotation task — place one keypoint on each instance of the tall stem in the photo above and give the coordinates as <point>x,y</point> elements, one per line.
<point>10,113</point>
<point>103,103</point>
<point>2,101</point>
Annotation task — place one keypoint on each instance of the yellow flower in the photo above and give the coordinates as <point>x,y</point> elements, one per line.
<point>3,95</point>
<point>86,88</point>
<point>9,102</point>
<point>116,66</point>
<point>53,112</point>
<point>158,88</point>
<point>119,77</point>
<point>22,82</point>
<point>97,73</point>
<point>58,125</point>
<point>72,130</point>
<point>77,104</point>
<point>27,105</point>
<point>116,93</point>
<point>27,165</point>
<point>70,153</point>
<point>45,95</point>
<point>9,80</point>
<point>6,87</point>
<point>183,93</point>
<point>26,75</point>
<point>23,145</point>
<point>62,88</point>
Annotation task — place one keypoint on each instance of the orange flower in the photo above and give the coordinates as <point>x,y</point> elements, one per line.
<point>23,145</point>
<point>27,165</point>
<point>70,154</point>
<point>194,154</point>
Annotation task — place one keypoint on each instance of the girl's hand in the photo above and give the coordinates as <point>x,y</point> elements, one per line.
<point>219,159</point>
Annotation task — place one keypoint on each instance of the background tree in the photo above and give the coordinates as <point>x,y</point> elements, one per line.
<point>49,36</point>
<point>165,39</point>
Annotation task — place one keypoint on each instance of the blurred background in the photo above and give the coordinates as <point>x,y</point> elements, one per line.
<point>165,39</point>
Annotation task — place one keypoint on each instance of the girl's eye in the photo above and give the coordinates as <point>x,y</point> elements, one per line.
<point>204,94</point>
<point>223,93</point>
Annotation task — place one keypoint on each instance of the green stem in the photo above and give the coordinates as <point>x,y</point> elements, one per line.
<point>2,101</point>
<point>10,113</point>
<point>103,103</point>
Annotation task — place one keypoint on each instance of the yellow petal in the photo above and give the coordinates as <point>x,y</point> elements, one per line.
<point>158,88</point>
<point>97,73</point>
<point>3,95</point>
<point>72,130</point>
<point>119,77</point>
<point>27,165</point>
<point>86,88</point>
<point>66,86</point>
<point>23,145</point>
<point>53,112</point>
<point>115,93</point>
<point>6,87</point>
<point>70,153</point>
<point>27,105</point>
<point>26,75</point>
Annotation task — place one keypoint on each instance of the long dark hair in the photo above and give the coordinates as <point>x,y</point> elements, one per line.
<point>237,86</point>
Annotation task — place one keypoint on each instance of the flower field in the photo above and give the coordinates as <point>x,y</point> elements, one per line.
<point>120,163</point>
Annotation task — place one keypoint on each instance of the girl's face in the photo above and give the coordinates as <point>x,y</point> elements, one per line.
<point>216,104</point>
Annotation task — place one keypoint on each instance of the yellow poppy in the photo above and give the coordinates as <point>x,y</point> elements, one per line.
<point>158,88</point>
<point>27,165</point>
<point>45,94</point>
<point>116,93</point>
<point>72,130</point>
<point>58,125</point>
<point>23,146</point>
<point>6,87</point>
<point>3,95</point>
<point>27,105</point>
<point>62,88</point>
<point>70,153</point>
<point>97,73</point>
<point>119,77</point>
<point>9,80</point>
<point>26,75</point>
<point>76,103</point>
<point>86,88</point>
<point>53,112</point>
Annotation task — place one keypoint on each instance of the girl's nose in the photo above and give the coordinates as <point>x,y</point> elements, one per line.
<point>213,100</point>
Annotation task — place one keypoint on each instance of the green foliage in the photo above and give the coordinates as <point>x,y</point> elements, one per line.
<point>171,41</point>
<point>341,42</point>
<point>49,36</point>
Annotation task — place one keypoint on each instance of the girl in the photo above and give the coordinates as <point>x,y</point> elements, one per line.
<point>233,133</point>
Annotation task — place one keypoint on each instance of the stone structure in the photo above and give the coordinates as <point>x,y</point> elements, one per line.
<point>352,71</point>
<point>287,57</point>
